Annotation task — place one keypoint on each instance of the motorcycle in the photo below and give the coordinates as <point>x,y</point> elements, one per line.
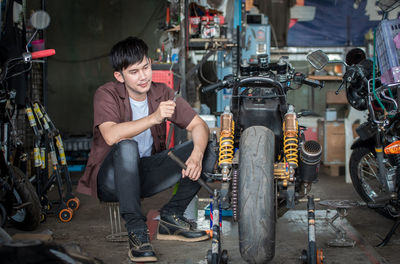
<point>19,201</point>
<point>375,159</point>
<point>265,165</point>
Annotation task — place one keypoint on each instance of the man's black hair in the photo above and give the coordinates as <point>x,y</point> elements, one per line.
<point>129,51</point>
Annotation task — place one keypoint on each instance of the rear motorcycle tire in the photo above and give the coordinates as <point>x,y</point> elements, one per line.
<point>27,218</point>
<point>256,195</point>
<point>363,167</point>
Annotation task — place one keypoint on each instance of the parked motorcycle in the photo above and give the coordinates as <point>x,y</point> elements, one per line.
<point>265,164</point>
<point>375,160</point>
<point>19,201</point>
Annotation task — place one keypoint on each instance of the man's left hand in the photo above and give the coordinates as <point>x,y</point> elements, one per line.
<point>193,166</point>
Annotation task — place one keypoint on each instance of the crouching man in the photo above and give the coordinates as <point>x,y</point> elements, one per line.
<point>128,159</point>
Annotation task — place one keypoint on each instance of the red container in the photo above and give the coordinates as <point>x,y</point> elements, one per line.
<point>167,77</point>
<point>164,76</point>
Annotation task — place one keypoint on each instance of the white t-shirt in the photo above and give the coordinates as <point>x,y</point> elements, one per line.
<point>140,109</point>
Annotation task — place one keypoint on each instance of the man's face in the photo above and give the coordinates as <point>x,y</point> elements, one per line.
<point>137,78</point>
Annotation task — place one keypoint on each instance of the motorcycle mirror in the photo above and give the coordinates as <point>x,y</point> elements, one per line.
<point>318,59</point>
<point>387,5</point>
<point>40,19</point>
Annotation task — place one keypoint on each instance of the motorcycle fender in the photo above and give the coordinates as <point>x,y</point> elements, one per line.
<point>369,143</point>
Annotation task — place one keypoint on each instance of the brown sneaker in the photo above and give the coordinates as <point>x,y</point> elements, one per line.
<point>140,249</point>
<point>174,227</point>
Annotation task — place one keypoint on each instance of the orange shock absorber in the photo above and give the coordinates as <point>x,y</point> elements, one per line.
<point>290,134</point>
<point>226,140</point>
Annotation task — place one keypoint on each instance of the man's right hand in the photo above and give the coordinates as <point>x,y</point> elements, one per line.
<point>165,110</point>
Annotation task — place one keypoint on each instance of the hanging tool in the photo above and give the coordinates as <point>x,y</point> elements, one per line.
<point>183,166</point>
<point>215,255</point>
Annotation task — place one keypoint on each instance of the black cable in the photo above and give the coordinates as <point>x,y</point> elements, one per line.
<point>19,73</point>
<point>201,72</point>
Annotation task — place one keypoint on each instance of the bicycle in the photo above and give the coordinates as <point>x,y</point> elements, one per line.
<point>19,201</point>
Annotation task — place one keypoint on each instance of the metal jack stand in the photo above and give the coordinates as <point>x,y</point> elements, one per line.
<point>215,255</point>
<point>341,208</point>
<point>313,255</point>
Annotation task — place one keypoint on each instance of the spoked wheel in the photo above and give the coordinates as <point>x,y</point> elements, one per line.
<point>73,203</point>
<point>27,216</point>
<point>364,172</point>
<point>256,195</point>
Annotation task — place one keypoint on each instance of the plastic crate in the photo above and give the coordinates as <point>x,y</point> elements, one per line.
<point>388,54</point>
<point>163,76</point>
<point>77,143</point>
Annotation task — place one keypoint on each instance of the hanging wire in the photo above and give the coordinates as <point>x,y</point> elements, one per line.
<point>19,73</point>
<point>213,68</point>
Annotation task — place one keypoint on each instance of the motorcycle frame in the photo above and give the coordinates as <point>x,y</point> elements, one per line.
<point>381,126</point>
<point>239,87</point>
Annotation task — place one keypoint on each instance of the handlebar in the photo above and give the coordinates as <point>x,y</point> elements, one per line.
<point>313,83</point>
<point>43,53</point>
<point>26,57</point>
<point>29,56</point>
<point>300,78</point>
<point>230,82</point>
<point>270,81</point>
<point>213,86</point>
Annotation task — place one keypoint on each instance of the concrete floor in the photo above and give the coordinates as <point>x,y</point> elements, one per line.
<point>90,225</point>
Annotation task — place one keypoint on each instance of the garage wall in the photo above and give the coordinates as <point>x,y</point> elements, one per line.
<point>83,32</point>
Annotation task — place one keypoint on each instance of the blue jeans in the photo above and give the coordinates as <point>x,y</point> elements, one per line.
<point>125,177</point>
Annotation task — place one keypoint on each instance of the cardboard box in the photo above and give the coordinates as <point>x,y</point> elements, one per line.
<point>333,98</point>
<point>331,136</point>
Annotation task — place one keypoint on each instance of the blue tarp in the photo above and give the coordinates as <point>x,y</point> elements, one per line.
<point>336,23</point>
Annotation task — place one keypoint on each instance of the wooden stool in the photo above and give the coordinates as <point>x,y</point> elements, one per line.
<point>116,235</point>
